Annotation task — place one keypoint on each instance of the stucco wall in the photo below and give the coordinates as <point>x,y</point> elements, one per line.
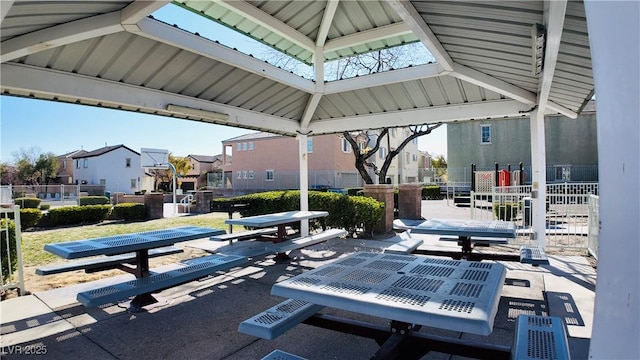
<point>111,167</point>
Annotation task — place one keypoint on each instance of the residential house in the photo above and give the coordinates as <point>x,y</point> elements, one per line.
<point>268,161</point>
<point>115,167</point>
<point>201,168</point>
<point>571,146</point>
<point>404,167</point>
<point>65,168</point>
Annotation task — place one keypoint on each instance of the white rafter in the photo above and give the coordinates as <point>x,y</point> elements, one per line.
<point>554,17</point>
<point>4,8</point>
<point>167,34</point>
<point>363,37</point>
<point>78,30</point>
<point>417,24</point>
<point>491,83</point>
<point>138,10</point>
<point>29,79</point>
<point>463,112</point>
<point>59,35</point>
<point>269,22</point>
<point>327,19</point>
<point>385,78</point>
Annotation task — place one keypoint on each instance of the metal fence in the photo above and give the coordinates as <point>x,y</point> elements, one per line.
<point>10,279</point>
<point>568,217</point>
<point>594,225</point>
<point>55,194</point>
<point>282,180</point>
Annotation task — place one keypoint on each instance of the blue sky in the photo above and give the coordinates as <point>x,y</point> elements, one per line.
<point>61,128</point>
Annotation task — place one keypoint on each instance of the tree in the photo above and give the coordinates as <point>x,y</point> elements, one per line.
<point>8,174</point>
<point>35,167</point>
<point>166,176</point>
<point>440,165</point>
<point>362,156</point>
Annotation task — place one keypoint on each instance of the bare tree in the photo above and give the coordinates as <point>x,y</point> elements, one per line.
<point>362,156</point>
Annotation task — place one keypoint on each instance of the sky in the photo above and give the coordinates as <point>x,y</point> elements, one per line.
<point>61,128</point>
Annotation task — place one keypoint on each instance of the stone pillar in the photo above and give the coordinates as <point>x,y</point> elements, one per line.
<point>118,198</point>
<point>383,193</point>
<point>203,199</point>
<point>153,206</point>
<point>410,201</point>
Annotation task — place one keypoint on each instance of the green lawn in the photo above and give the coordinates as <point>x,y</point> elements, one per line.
<point>33,242</point>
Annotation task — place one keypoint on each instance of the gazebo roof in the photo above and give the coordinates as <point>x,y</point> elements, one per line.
<point>113,54</point>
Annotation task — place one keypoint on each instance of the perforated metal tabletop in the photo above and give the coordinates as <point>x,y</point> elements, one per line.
<point>119,244</point>
<point>276,218</point>
<point>481,228</point>
<point>431,291</point>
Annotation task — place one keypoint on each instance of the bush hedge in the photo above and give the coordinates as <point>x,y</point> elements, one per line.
<point>9,258</point>
<point>28,217</point>
<point>45,206</point>
<point>74,215</point>
<point>347,212</point>
<point>505,211</point>
<point>431,192</point>
<point>129,211</point>
<point>27,203</point>
<point>93,200</point>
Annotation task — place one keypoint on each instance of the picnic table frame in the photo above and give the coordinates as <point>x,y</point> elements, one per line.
<point>280,220</point>
<point>140,243</point>
<point>411,291</point>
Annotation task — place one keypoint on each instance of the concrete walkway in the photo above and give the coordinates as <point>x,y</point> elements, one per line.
<point>201,318</point>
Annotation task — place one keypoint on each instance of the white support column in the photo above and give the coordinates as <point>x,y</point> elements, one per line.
<point>304,181</point>
<point>614,35</point>
<point>539,177</point>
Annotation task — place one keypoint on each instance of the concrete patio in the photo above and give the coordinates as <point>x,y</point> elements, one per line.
<point>201,318</point>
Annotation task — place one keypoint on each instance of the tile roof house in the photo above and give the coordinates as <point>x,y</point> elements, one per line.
<point>200,168</point>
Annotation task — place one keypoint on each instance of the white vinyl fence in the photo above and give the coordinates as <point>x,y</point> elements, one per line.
<point>569,212</point>
<point>594,225</point>
<point>10,279</point>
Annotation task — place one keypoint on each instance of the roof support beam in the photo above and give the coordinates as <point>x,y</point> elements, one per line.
<point>364,37</point>
<point>62,34</point>
<point>504,108</point>
<point>41,82</point>
<point>327,19</point>
<point>4,8</point>
<point>554,17</point>
<point>385,78</point>
<point>416,23</point>
<point>489,82</point>
<point>271,23</point>
<point>78,30</point>
<point>167,34</point>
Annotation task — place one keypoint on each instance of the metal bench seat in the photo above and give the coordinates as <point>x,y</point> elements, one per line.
<point>200,268</point>
<point>533,255</point>
<point>540,338</point>
<point>303,242</point>
<point>244,235</point>
<point>404,244</point>
<point>279,319</point>
<point>483,241</point>
<point>104,263</point>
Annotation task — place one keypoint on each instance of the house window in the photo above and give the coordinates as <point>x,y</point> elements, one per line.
<point>244,146</point>
<point>415,141</point>
<point>415,157</point>
<point>239,174</point>
<point>85,163</point>
<point>361,146</point>
<point>251,145</point>
<point>127,162</point>
<point>485,134</point>
<point>64,164</point>
<point>250,174</point>
<point>393,132</point>
<point>309,145</point>
<point>244,174</point>
<point>346,147</point>
<point>270,175</point>
<point>77,164</point>
<point>239,147</point>
<point>134,183</point>
<point>103,182</point>
<point>408,158</point>
<point>383,152</point>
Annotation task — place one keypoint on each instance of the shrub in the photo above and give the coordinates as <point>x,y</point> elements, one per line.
<point>431,192</point>
<point>505,211</point>
<point>29,218</point>
<point>347,212</point>
<point>129,211</point>
<point>9,257</point>
<point>27,203</point>
<point>73,215</point>
<point>45,206</point>
<point>93,200</point>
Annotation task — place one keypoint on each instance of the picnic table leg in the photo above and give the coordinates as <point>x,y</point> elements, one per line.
<point>142,270</point>
<point>280,236</point>
<point>466,245</point>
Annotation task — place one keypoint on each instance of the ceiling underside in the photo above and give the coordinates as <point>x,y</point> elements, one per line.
<point>113,54</point>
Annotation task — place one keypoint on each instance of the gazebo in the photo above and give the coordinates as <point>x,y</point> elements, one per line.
<point>493,59</point>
